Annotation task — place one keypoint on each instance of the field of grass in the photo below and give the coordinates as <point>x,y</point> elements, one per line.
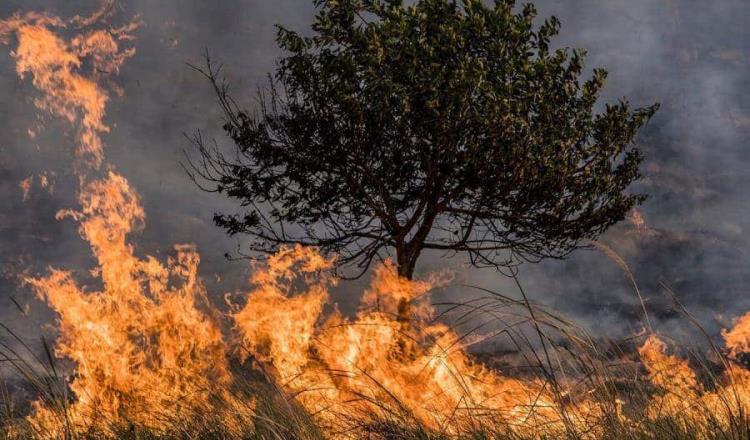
<point>598,390</point>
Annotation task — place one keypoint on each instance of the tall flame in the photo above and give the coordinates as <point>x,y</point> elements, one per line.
<point>56,69</point>
<point>737,339</point>
<point>343,370</point>
<point>147,348</point>
<point>143,350</point>
<point>677,383</point>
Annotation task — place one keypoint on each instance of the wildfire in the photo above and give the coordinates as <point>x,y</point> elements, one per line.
<point>737,338</point>
<point>56,66</point>
<point>677,382</point>
<point>25,186</point>
<point>146,345</point>
<point>345,369</point>
<point>143,350</point>
<point>44,180</point>
<point>681,396</point>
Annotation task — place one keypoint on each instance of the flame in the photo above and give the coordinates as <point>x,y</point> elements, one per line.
<point>676,382</point>
<point>147,348</point>
<point>343,370</point>
<point>737,339</point>
<point>144,351</point>
<point>637,220</point>
<point>44,181</point>
<point>25,186</point>
<point>56,65</point>
<point>681,396</point>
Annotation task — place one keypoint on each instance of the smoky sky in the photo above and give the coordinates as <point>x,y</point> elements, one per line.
<point>690,56</point>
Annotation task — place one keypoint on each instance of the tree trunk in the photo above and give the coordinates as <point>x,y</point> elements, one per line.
<point>406,259</point>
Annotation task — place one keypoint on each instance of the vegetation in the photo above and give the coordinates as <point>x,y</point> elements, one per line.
<point>441,125</point>
<point>610,374</point>
<point>532,172</point>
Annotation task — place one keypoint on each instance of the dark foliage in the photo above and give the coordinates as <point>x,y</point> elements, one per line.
<point>440,125</point>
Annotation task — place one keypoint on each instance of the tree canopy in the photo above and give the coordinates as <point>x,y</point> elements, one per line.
<point>438,125</point>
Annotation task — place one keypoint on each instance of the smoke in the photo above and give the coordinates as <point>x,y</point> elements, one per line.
<point>693,59</point>
<point>690,57</point>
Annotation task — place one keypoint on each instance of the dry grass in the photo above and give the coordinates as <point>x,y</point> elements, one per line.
<point>550,348</point>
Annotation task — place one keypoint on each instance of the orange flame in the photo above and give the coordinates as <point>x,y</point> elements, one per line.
<point>55,68</point>
<point>637,220</point>
<point>737,339</point>
<point>148,350</point>
<point>44,180</point>
<point>143,350</point>
<point>682,397</point>
<point>676,381</point>
<point>25,186</point>
<point>346,369</point>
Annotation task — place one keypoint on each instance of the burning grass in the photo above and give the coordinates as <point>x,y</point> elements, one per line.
<point>148,359</point>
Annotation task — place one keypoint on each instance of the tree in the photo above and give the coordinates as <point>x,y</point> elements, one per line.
<point>442,125</point>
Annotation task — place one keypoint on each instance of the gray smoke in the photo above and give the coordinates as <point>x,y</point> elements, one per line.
<point>690,56</point>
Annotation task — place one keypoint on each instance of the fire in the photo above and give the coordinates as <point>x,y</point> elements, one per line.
<point>25,186</point>
<point>677,384</point>
<point>637,220</point>
<point>144,351</point>
<point>146,346</point>
<point>683,398</point>
<point>44,180</point>
<point>737,339</point>
<point>346,370</point>
<point>56,65</point>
